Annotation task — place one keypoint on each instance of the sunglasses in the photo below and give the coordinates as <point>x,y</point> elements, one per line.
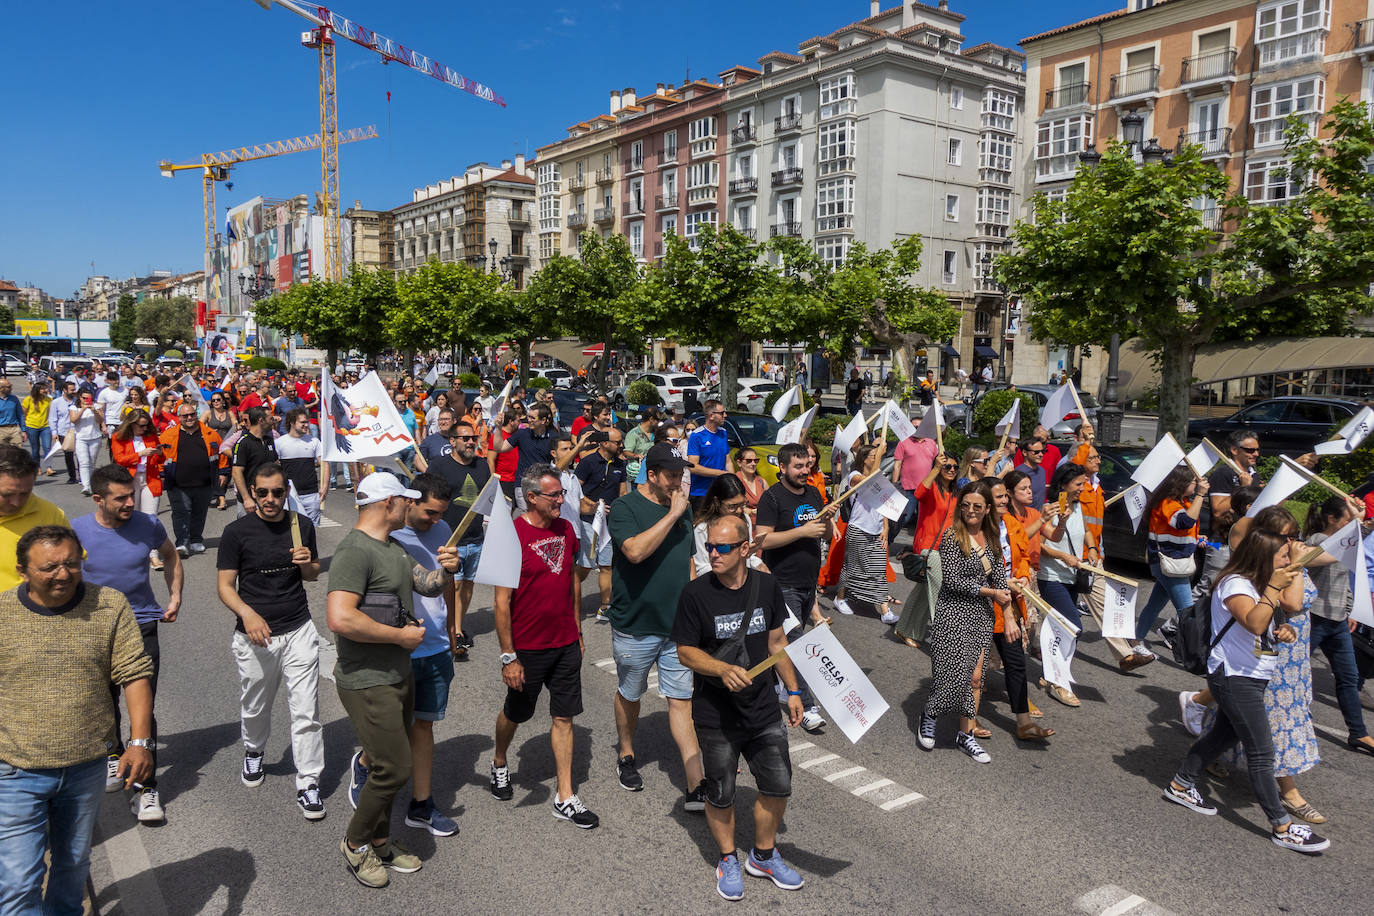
<point>1035,451</point>
<point>723,549</point>
<point>674,438</point>
<point>264,492</point>
<point>1249,451</point>
<point>466,438</point>
<point>748,461</point>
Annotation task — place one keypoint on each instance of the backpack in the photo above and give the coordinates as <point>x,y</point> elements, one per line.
<point>1192,643</point>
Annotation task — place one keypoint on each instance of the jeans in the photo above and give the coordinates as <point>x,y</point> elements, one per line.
<point>189,506</point>
<point>1333,636</point>
<point>1240,717</point>
<point>153,649</point>
<point>50,810</point>
<point>1178,589</point>
<point>800,601</point>
<point>909,513</point>
<point>1063,597</point>
<point>40,440</point>
<point>295,657</point>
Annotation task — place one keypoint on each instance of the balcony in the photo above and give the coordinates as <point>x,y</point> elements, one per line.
<point>1212,216</point>
<point>577,183</point>
<point>634,164</point>
<point>604,176</point>
<point>1134,84</point>
<point>603,215</point>
<point>788,177</point>
<point>743,135</point>
<point>1067,96</point>
<point>634,208</point>
<point>787,124</point>
<point>1215,142</point>
<point>1210,70</point>
<point>744,186</point>
<point>836,166</point>
<point>840,223</point>
<point>665,202</point>
<point>577,220</point>
<point>788,229</point>
<point>987,286</point>
<point>667,156</point>
<point>519,221</point>
<point>1364,35</point>
<point>748,232</point>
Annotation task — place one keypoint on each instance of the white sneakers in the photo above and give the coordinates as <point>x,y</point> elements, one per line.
<point>146,805</point>
<point>1191,712</point>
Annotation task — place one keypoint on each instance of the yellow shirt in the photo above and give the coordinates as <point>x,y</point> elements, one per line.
<point>35,412</point>
<point>37,511</point>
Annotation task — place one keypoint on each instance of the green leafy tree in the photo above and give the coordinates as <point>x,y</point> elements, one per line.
<point>6,320</point>
<point>1128,252</point>
<point>522,317</point>
<point>442,305</point>
<point>336,316</point>
<point>166,321</point>
<point>124,327</point>
<point>790,305</point>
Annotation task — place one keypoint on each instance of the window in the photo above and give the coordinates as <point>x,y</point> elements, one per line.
<point>744,217</point>
<point>836,146</point>
<point>694,221</point>
<point>951,208</point>
<point>670,145</point>
<point>702,175</point>
<point>637,155</point>
<point>994,212</point>
<point>982,323</point>
<point>1267,181</point>
<point>637,195</point>
<point>670,224</point>
<point>1273,104</point>
<point>791,106</point>
<point>994,158</point>
<point>637,239</point>
<point>1291,29</point>
<point>837,96</point>
<point>580,176</point>
<point>956,98</point>
<point>1210,210</point>
<point>549,178</point>
<point>999,110</point>
<point>949,270</point>
<point>834,250</point>
<point>744,166</point>
<point>956,151</point>
<point>834,204</point>
<point>606,163</point>
<point>701,134</point>
<point>788,155</point>
<point>1058,143</point>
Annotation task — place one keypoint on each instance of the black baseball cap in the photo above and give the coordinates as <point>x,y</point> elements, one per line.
<point>663,457</point>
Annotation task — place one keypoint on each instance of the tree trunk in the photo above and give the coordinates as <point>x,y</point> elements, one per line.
<point>729,371</point>
<point>1176,377</point>
<point>331,359</point>
<point>605,358</point>
<point>525,345</point>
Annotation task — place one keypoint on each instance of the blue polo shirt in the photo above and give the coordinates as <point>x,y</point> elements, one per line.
<point>709,450</point>
<point>11,411</point>
<point>118,558</point>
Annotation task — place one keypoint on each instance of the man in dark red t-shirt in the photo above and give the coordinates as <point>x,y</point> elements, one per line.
<point>540,631</point>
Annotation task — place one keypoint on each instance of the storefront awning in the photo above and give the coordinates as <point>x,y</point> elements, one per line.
<point>949,350</point>
<point>1269,356</point>
<point>982,352</point>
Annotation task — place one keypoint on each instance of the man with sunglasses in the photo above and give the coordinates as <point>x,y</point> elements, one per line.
<point>466,475</point>
<point>439,443</point>
<point>256,446</point>
<point>191,459</point>
<point>261,579</point>
<point>1244,448</point>
<point>534,444</point>
<point>1033,466</point>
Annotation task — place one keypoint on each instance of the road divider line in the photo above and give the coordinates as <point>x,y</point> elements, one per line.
<point>850,771</point>
<point>902,801</point>
<point>1111,900</point>
<point>817,761</point>
<point>1123,906</point>
<point>871,787</point>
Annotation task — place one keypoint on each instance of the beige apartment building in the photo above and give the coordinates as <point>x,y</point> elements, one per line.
<point>577,182</point>
<point>374,243</point>
<point>1223,74</point>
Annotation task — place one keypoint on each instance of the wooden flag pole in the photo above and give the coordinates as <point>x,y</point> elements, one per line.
<point>463,526</point>
<point>296,540</point>
<point>1314,478</point>
<point>1224,457</point>
<point>834,503</point>
<point>1120,495</point>
<point>1310,556</point>
<point>773,659</point>
<point>1102,572</point>
<point>410,475</point>
<point>1082,414</point>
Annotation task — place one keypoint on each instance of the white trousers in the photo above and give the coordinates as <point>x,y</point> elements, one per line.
<point>310,506</point>
<point>87,451</point>
<point>296,657</point>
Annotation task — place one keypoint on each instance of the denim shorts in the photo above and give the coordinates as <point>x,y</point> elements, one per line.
<point>635,655</point>
<point>765,751</point>
<point>433,674</point>
<point>468,555</point>
<point>584,550</point>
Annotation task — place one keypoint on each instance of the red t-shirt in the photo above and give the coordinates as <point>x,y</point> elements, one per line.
<point>578,425</point>
<point>251,401</point>
<point>542,615</point>
<point>506,462</point>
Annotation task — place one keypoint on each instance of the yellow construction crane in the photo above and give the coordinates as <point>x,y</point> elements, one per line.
<point>215,167</point>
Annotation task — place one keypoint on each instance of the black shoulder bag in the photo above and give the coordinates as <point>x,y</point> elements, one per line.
<point>732,651</point>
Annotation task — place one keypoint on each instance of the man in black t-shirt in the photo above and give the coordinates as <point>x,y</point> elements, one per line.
<point>262,576</point>
<point>734,713</point>
<point>853,391</point>
<point>1243,447</point>
<point>790,525</point>
<point>437,444</point>
<point>603,478</point>
<point>466,475</point>
<point>256,446</point>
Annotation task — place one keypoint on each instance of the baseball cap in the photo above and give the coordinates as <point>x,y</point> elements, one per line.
<point>380,485</point>
<point>663,457</point>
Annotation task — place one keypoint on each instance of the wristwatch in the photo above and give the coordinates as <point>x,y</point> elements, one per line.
<point>507,658</point>
<point>138,742</point>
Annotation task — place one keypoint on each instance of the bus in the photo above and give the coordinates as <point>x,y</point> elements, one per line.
<point>36,346</point>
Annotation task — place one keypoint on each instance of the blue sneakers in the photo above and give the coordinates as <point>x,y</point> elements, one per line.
<point>729,881</point>
<point>357,775</point>
<point>430,818</point>
<point>782,874</point>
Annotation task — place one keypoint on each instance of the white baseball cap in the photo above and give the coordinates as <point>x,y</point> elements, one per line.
<point>380,485</point>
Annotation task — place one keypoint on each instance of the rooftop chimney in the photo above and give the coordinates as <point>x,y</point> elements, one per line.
<point>908,14</point>
<point>505,165</point>
<point>660,89</point>
<point>615,100</point>
<point>873,7</point>
<point>627,96</point>
<point>519,163</point>
<point>944,4</point>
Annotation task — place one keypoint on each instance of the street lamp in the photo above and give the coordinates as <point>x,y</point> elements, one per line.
<point>256,286</point>
<point>1133,129</point>
<point>491,244</point>
<point>1153,153</point>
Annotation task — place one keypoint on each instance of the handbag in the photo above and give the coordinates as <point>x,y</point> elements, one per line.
<point>1178,567</point>
<point>1082,579</point>
<point>914,567</point>
<point>69,440</point>
<point>732,651</point>
<point>385,608</point>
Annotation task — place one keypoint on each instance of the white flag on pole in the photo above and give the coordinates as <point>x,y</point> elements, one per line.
<point>1118,610</point>
<point>793,431</point>
<point>1350,436</point>
<point>193,389</point>
<point>1058,406</point>
<point>900,423</point>
<point>1011,420</point>
<point>485,502</point>
<point>1163,458</point>
<point>846,437</point>
<point>360,421</point>
<point>601,530</point>
<point>501,554</point>
<point>1285,482</point>
<point>1203,458</point>
<point>54,451</point>
<point>1058,639</point>
<point>432,376</point>
<point>1347,546</point>
<point>1137,498</point>
<point>499,404</point>
<point>790,398</point>
<point>935,415</point>
<point>879,495</point>
<point>837,681</point>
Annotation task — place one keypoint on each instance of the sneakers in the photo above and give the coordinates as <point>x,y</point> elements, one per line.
<point>182,550</point>
<point>843,607</point>
<point>113,781</point>
<point>782,874</point>
<point>889,617</point>
<point>147,806</point>
<point>628,773</point>
<point>461,644</point>
<point>430,818</point>
<point>1192,712</point>
<point>357,775</point>
<point>573,810</point>
<point>1191,799</point>
<point>729,880</point>
<point>1168,632</point>
<point>695,801</point>
<point>196,547</point>
<point>1143,651</point>
<point>1300,839</point>
<point>601,614</point>
<point>252,774</point>
<point>309,801</point>
<point>812,720</point>
<point>364,865</point>
<point>500,783</point>
<point>926,736</point>
<point>397,858</point>
<point>965,742</point>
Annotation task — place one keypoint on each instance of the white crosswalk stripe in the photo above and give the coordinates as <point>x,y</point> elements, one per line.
<point>1110,900</point>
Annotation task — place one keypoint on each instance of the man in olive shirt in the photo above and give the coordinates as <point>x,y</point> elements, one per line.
<point>651,534</point>
<point>373,674</point>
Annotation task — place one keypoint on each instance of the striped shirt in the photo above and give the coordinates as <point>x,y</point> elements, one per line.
<point>1173,532</point>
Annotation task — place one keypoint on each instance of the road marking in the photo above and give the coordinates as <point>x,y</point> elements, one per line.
<point>871,787</point>
<point>817,761</point>
<point>1124,905</point>
<point>327,522</point>
<point>902,802</point>
<point>833,777</point>
<point>1111,900</point>
<point>130,869</point>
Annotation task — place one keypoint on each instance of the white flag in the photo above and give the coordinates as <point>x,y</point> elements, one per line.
<point>485,503</point>
<point>54,451</point>
<point>1059,405</point>
<point>1011,420</point>
<point>790,398</point>
<point>1285,482</point>
<point>360,421</point>
<point>1203,458</point>
<point>846,437</point>
<point>499,404</point>
<point>1350,436</point>
<point>934,415</point>
<point>793,431</point>
<point>1058,639</point>
<point>601,530</point>
<point>837,681</point>
<point>1137,498</point>
<point>1118,610</point>
<point>1347,546</point>
<point>1163,458</point>
<point>501,554</point>
<point>899,422</point>
<point>193,389</point>
<point>432,376</point>
<point>879,495</point>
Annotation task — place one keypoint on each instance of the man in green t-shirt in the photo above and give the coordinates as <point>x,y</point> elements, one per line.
<point>373,673</point>
<point>651,533</point>
<point>637,442</point>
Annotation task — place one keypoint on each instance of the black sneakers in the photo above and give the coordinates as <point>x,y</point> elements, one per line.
<point>628,773</point>
<point>252,769</point>
<point>1300,839</point>
<point>695,801</point>
<point>500,783</point>
<point>310,804</point>
<point>573,810</point>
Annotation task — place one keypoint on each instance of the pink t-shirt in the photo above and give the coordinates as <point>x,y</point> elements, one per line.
<point>916,456</point>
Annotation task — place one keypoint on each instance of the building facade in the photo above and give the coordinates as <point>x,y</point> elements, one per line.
<point>577,183</point>
<point>374,242</point>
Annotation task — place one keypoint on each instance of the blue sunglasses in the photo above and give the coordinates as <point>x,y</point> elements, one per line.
<point>723,549</point>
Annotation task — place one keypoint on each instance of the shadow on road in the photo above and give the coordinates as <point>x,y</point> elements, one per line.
<point>194,883</point>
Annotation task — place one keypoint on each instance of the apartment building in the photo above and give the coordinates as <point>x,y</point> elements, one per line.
<point>576,182</point>
<point>1222,74</point>
<point>374,236</point>
<point>9,295</point>
<point>888,127</point>
<point>481,218</point>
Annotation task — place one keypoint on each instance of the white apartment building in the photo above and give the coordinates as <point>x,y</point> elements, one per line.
<point>577,182</point>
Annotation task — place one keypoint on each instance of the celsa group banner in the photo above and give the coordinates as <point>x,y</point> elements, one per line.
<point>837,681</point>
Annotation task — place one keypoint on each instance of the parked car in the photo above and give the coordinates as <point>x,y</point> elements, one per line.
<point>60,365</point>
<point>751,393</point>
<point>1041,395</point>
<point>672,388</point>
<point>14,363</point>
<point>1118,464</point>
<point>568,404</point>
<point>561,378</point>
<point>1292,425</point>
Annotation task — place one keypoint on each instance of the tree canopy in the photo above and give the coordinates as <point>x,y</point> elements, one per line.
<point>350,314</point>
<point>165,321</point>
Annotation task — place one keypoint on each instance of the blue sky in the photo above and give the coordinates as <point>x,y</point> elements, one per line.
<point>96,93</point>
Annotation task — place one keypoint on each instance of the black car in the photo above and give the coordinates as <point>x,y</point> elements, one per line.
<point>1120,540</point>
<point>1292,425</point>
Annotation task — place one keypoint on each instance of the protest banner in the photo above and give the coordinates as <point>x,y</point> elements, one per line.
<point>837,682</point>
<point>1058,639</point>
<point>1163,458</point>
<point>360,421</point>
<point>1118,609</point>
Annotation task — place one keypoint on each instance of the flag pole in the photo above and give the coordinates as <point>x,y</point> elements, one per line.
<point>1314,478</point>
<point>773,659</point>
<point>1224,457</point>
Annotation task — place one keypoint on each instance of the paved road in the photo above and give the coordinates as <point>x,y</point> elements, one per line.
<point>1075,827</point>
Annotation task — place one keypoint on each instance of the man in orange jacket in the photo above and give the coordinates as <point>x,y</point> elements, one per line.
<point>191,459</point>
